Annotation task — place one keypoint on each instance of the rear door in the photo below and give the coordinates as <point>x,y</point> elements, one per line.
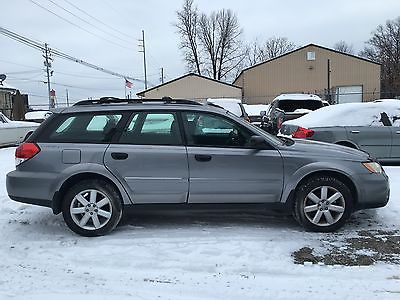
<point>223,168</point>
<point>150,158</point>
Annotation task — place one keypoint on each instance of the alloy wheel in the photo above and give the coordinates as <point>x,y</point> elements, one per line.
<point>324,206</point>
<point>91,209</point>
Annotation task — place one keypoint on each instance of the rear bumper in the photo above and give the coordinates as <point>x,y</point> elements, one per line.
<point>374,191</point>
<point>30,188</point>
<point>39,202</point>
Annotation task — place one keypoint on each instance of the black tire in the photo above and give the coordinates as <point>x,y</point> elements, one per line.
<point>305,198</point>
<point>98,216</point>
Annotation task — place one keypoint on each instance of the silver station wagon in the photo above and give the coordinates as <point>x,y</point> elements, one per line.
<point>99,157</point>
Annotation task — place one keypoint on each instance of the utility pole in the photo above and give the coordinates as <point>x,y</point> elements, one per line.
<point>162,75</point>
<point>48,66</point>
<point>66,91</point>
<point>329,82</point>
<point>143,46</point>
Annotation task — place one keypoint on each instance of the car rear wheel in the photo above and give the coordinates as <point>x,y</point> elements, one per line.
<point>92,208</point>
<point>323,204</point>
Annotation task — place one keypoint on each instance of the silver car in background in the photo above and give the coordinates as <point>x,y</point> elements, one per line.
<point>373,127</point>
<point>93,160</point>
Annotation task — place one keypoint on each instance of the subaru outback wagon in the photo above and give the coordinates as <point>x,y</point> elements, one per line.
<point>94,159</point>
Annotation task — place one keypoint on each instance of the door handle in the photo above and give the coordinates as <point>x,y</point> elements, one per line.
<point>119,155</point>
<point>355,131</point>
<point>398,132</point>
<point>202,157</point>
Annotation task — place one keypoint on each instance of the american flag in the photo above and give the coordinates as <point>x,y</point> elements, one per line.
<point>128,84</point>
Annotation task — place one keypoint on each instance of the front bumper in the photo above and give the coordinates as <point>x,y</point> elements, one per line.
<point>374,191</point>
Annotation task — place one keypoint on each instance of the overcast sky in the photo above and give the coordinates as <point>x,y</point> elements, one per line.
<point>115,45</point>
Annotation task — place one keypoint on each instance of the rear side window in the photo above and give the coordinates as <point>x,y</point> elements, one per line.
<point>152,128</point>
<point>82,128</point>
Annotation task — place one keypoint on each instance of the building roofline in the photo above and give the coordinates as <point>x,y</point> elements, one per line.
<point>301,48</point>
<point>183,76</point>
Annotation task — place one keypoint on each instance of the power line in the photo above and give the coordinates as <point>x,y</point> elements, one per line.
<point>24,72</point>
<point>78,26</point>
<point>96,19</point>
<point>29,42</point>
<point>58,53</point>
<point>65,85</point>
<point>17,64</point>
<point>85,21</point>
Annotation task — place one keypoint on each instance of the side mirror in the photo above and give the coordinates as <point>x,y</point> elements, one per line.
<point>263,113</point>
<point>258,142</point>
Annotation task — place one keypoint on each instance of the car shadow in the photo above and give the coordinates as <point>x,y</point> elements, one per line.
<point>192,219</point>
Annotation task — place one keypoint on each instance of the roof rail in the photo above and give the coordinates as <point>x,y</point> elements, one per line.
<point>114,100</point>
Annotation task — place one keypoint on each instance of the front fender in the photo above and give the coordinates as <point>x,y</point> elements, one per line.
<point>294,178</point>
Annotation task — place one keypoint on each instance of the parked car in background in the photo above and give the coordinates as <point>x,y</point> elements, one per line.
<point>232,105</point>
<point>93,160</point>
<point>373,127</point>
<point>37,115</point>
<point>288,107</point>
<point>254,112</point>
<point>14,132</point>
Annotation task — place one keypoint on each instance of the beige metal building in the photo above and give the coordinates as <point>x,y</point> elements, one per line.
<point>305,70</point>
<point>193,86</point>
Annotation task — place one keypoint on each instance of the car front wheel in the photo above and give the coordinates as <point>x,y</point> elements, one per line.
<point>92,208</point>
<point>323,204</point>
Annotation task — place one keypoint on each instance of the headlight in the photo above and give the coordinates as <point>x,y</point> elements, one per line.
<point>373,167</point>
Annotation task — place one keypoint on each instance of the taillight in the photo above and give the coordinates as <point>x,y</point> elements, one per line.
<point>25,151</point>
<point>302,133</point>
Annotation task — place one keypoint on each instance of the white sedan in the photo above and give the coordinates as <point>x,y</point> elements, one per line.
<point>14,132</point>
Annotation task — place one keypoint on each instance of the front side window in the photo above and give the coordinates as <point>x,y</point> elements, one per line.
<point>209,130</point>
<point>152,128</point>
<point>83,128</point>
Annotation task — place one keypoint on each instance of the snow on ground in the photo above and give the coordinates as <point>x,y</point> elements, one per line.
<point>184,256</point>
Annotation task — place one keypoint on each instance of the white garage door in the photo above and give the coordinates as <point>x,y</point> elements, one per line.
<point>349,94</point>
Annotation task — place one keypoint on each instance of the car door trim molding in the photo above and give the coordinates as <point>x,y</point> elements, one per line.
<point>153,178</point>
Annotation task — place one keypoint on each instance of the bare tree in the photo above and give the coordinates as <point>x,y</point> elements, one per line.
<point>384,47</point>
<point>219,34</point>
<point>273,47</point>
<point>252,52</point>
<point>343,47</point>
<point>211,43</point>
<point>187,25</point>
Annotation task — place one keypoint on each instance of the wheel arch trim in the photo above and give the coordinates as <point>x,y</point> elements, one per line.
<point>75,173</point>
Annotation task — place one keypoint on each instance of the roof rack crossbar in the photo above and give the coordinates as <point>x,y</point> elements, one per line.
<point>113,100</point>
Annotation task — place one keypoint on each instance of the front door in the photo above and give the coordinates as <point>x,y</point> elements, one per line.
<point>222,166</point>
<point>150,159</point>
<point>376,140</point>
<point>395,140</point>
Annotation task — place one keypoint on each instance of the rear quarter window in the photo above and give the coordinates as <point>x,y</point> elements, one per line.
<point>82,128</point>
